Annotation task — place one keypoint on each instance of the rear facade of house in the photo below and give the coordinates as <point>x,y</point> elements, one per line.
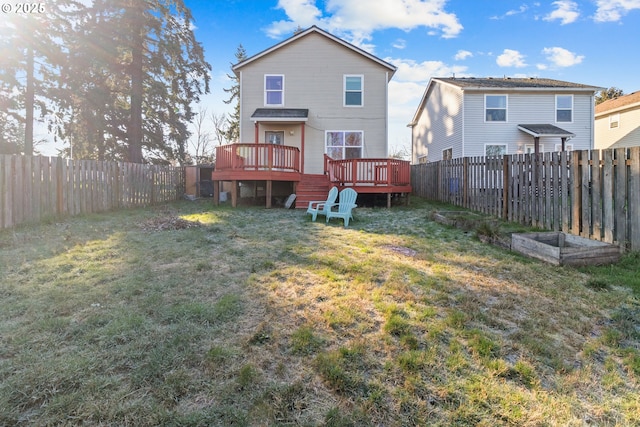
<point>343,90</point>
<point>313,114</point>
<point>466,117</point>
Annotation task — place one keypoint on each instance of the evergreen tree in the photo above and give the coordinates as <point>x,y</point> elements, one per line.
<point>605,95</point>
<point>232,132</point>
<point>135,70</point>
<point>31,53</point>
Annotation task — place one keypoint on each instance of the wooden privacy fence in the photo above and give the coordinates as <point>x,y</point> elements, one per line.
<point>33,188</point>
<point>593,194</point>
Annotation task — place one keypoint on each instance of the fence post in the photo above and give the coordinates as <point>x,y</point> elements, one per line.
<point>633,198</point>
<point>506,185</point>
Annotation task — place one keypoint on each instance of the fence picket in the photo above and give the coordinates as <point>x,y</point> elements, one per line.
<point>594,194</point>
<point>634,197</point>
<point>36,187</point>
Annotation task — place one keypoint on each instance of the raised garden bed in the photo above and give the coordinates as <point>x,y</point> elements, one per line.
<point>564,249</point>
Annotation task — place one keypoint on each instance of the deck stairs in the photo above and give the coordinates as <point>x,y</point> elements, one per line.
<point>311,187</point>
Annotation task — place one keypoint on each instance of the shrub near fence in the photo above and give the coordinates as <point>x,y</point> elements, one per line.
<point>593,194</point>
<point>33,188</point>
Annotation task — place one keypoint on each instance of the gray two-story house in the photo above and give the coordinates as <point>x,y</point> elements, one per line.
<point>466,117</point>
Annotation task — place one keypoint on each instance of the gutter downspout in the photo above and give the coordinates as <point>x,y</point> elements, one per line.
<point>240,117</point>
<point>386,113</point>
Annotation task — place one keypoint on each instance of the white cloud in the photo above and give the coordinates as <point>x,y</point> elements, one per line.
<point>356,20</point>
<point>412,71</point>
<point>561,57</point>
<point>461,55</point>
<point>613,10</point>
<point>522,9</point>
<point>566,11</point>
<point>511,58</point>
<point>400,44</point>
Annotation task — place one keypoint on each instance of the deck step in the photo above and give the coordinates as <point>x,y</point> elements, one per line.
<point>311,188</point>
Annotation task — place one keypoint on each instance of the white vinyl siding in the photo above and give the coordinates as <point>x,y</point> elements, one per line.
<point>524,107</point>
<point>440,125</point>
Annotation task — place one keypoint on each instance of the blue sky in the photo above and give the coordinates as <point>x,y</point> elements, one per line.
<point>591,42</point>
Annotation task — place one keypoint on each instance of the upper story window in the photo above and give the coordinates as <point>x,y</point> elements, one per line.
<point>447,154</point>
<point>614,121</point>
<point>342,145</point>
<point>564,108</point>
<point>495,107</point>
<point>274,89</point>
<point>353,91</point>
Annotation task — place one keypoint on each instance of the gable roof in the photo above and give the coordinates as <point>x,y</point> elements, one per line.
<point>619,103</point>
<point>315,30</point>
<point>498,84</point>
<point>511,83</point>
<point>281,114</point>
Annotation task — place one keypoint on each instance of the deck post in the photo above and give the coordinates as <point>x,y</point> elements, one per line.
<point>268,191</point>
<point>301,160</point>
<point>216,193</point>
<point>388,200</point>
<point>234,193</point>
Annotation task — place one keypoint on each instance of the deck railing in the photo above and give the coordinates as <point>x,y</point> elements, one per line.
<point>368,171</point>
<point>257,157</point>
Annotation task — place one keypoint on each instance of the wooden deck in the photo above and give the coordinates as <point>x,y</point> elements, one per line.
<point>268,163</point>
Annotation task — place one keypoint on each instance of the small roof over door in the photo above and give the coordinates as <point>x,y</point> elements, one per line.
<point>545,130</point>
<point>294,115</point>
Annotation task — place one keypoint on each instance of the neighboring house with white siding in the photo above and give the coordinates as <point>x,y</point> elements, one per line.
<point>617,122</point>
<point>314,78</point>
<point>466,117</point>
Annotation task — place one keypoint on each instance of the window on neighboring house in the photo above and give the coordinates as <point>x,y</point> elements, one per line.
<point>614,121</point>
<point>344,144</point>
<point>531,148</point>
<point>422,160</point>
<point>567,147</point>
<point>564,108</point>
<point>495,108</point>
<point>353,91</point>
<point>447,154</point>
<point>495,150</point>
<point>274,89</point>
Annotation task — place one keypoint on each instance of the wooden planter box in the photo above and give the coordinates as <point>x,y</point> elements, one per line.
<point>564,249</point>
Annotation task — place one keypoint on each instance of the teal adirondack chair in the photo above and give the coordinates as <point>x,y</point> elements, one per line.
<point>346,202</point>
<point>320,207</point>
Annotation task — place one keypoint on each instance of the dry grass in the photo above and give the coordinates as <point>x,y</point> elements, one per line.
<point>261,317</point>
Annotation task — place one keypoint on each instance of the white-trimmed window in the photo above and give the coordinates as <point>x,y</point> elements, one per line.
<point>422,159</point>
<point>495,150</point>
<point>531,148</point>
<point>447,154</point>
<point>344,144</point>
<point>353,91</point>
<point>564,108</point>
<point>495,108</point>
<point>274,89</point>
<point>567,147</point>
<point>614,121</point>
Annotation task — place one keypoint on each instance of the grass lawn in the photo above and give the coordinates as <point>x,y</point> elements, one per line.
<point>191,315</point>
